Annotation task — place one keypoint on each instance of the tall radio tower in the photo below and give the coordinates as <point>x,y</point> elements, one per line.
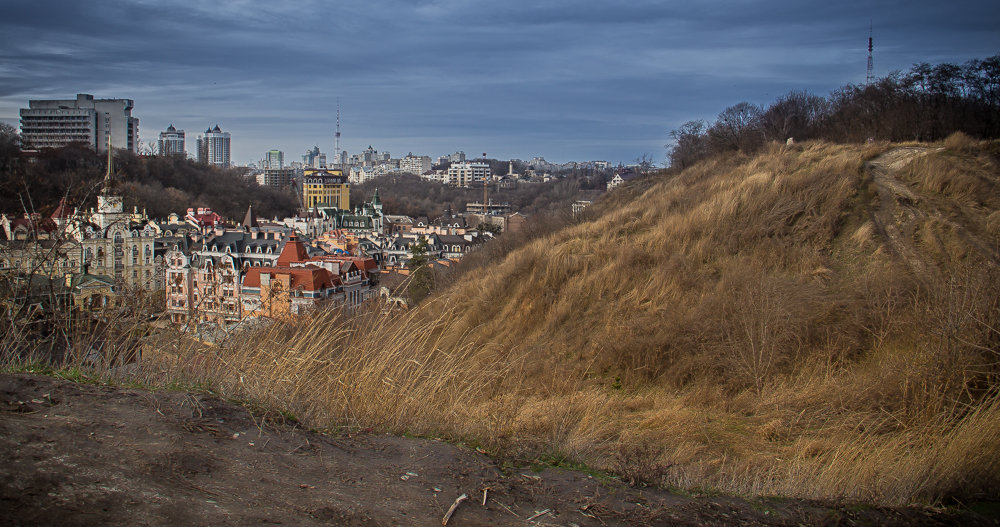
<point>870,76</point>
<point>336,136</point>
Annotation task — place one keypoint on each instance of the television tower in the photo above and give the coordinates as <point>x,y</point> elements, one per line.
<point>336,136</point>
<point>870,76</point>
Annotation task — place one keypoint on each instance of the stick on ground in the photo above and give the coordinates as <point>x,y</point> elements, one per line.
<point>451,510</point>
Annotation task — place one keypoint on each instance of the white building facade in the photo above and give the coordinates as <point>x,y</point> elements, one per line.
<point>171,142</point>
<point>415,164</point>
<point>467,174</point>
<point>214,148</point>
<point>57,123</point>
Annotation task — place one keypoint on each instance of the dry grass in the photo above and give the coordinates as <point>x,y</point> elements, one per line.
<point>740,326</point>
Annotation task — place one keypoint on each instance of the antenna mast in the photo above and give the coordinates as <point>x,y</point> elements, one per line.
<point>870,76</point>
<point>336,147</point>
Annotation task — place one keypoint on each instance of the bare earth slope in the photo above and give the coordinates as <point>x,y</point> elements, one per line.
<point>92,455</point>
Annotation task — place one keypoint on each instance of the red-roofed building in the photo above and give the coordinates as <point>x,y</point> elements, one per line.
<point>294,251</point>
<point>282,292</point>
<point>298,284</point>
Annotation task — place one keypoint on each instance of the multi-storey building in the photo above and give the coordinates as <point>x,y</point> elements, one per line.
<point>202,282</point>
<point>171,142</point>
<point>56,123</point>
<point>325,188</point>
<point>361,173</point>
<point>107,241</point>
<point>370,157</point>
<point>275,159</point>
<point>114,245</point>
<point>275,177</point>
<point>415,164</point>
<point>214,147</point>
<point>313,158</point>
<point>299,284</point>
<point>467,174</point>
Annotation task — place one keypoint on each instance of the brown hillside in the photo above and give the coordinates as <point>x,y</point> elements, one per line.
<point>819,321</point>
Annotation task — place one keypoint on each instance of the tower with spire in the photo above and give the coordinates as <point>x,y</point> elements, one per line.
<point>109,205</point>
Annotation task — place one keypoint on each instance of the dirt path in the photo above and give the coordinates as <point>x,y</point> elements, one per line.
<point>897,215</point>
<point>93,455</point>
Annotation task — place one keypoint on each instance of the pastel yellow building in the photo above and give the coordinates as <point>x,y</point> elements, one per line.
<point>325,188</point>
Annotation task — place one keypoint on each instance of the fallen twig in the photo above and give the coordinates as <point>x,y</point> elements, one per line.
<point>451,510</point>
<point>508,509</point>
<point>485,492</point>
<point>537,514</point>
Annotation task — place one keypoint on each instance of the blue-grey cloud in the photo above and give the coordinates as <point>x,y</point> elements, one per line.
<point>559,78</point>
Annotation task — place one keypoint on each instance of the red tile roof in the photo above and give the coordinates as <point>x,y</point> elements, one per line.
<point>294,251</point>
<point>309,278</point>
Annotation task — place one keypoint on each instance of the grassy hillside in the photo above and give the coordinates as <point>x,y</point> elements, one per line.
<point>817,321</point>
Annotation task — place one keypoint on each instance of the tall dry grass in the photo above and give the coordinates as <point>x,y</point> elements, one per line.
<point>740,326</point>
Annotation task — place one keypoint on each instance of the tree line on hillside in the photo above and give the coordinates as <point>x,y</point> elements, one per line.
<point>158,184</point>
<point>926,103</point>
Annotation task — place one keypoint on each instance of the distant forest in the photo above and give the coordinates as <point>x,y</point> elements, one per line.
<point>926,103</point>
<point>158,184</point>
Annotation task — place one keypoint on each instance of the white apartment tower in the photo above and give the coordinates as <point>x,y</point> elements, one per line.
<point>214,147</point>
<point>171,142</point>
<point>466,174</point>
<point>56,123</point>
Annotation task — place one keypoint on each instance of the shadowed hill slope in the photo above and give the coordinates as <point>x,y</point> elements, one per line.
<point>819,321</point>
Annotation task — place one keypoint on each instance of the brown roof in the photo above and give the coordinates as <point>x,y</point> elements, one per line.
<point>308,278</point>
<point>294,251</point>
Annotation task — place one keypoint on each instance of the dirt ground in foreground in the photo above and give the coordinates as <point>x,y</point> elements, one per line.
<point>77,454</point>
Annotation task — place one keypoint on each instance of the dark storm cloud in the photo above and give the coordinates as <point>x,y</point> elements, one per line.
<point>567,79</point>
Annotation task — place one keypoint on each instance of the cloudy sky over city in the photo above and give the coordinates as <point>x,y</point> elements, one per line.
<point>583,80</point>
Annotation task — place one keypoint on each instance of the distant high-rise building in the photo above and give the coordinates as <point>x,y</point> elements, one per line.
<point>214,147</point>
<point>275,159</point>
<point>171,142</point>
<point>314,158</point>
<point>55,123</point>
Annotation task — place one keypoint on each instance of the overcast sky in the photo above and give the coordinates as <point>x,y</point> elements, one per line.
<point>582,80</point>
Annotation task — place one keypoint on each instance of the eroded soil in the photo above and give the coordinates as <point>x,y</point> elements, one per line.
<point>77,454</point>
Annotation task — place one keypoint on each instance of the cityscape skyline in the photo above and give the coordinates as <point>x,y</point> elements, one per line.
<point>565,81</point>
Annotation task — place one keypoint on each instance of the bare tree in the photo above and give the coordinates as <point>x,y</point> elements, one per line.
<point>737,128</point>
<point>690,145</point>
<point>795,114</point>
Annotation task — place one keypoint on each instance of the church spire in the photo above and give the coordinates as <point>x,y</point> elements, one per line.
<point>110,172</point>
<point>250,219</point>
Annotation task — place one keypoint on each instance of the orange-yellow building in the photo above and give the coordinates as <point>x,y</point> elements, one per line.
<point>325,188</point>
